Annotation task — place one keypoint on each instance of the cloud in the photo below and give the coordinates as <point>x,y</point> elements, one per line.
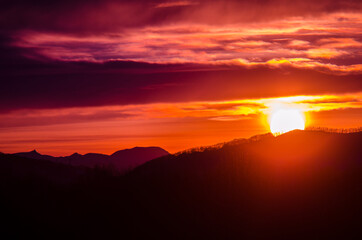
<point>79,84</point>
<point>325,53</point>
<point>48,117</point>
<point>62,54</point>
<point>173,125</point>
<point>231,110</point>
<point>83,17</point>
<point>324,42</point>
<point>176,4</point>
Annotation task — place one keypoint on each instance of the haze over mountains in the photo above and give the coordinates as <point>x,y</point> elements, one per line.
<point>299,185</point>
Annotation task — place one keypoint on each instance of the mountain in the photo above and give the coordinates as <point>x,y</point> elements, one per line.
<point>135,157</point>
<point>34,155</point>
<point>28,169</point>
<point>90,160</point>
<point>299,185</point>
<point>296,147</point>
<point>121,161</point>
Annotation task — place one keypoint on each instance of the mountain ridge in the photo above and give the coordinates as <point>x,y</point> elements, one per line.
<point>299,185</point>
<point>121,160</point>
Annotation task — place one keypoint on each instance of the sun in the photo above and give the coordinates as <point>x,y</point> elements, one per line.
<point>285,120</point>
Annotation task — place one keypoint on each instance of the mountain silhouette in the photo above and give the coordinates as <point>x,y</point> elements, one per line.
<point>299,185</point>
<point>136,156</point>
<point>120,161</point>
<point>302,184</point>
<point>34,155</point>
<point>18,167</point>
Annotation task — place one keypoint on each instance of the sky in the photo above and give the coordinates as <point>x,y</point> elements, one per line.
<point>99,76</point>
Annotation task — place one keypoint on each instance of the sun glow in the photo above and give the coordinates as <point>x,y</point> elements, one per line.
<point>286,119</point>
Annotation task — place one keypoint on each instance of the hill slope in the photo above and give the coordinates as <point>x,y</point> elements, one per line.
<point>297,185</point>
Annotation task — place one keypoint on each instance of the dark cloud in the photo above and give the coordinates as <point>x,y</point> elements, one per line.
<point>81,16</point>
<point>41,84</point>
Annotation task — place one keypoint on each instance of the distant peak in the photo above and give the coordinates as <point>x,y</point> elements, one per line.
<point>75,154</point>
<point>34,151</point>
<point>152,147</point>
<point>141,150</point>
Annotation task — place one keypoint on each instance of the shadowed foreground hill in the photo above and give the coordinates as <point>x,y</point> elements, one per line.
<point>300,185</point>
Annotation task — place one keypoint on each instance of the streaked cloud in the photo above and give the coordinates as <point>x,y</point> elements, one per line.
<point>176,4</point>
<point>216,110</point>
<point>322,42</point>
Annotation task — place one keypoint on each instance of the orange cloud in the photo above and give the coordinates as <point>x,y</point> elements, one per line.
<point>324,53</point>
<point>340,43</point>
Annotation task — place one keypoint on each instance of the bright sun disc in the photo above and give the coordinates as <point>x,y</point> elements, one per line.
<point>285,120</point>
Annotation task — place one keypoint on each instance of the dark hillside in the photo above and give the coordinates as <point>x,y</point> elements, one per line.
<point>300,185</point>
